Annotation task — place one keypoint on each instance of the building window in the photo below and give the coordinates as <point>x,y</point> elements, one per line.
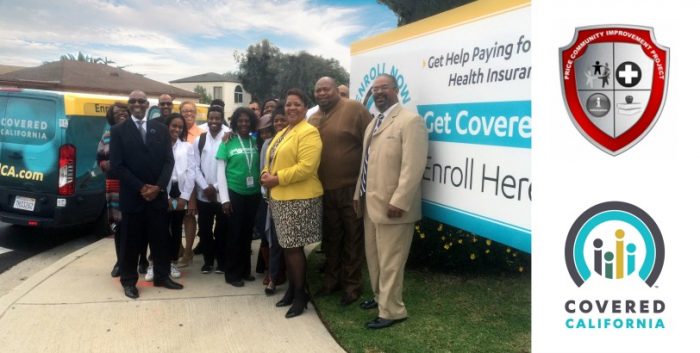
<point>238,95</point>
<point>218,93</point>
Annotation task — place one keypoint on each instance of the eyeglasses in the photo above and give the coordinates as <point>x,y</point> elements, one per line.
<point>139,101</point>
<point>376,89</point>
<point>166,103</point>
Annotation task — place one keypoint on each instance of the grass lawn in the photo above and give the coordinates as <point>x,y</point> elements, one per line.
<point>447,313</point>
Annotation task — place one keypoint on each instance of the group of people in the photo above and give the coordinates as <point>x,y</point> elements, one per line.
<point>339,175</point>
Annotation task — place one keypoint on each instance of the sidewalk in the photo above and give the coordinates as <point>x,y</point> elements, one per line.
<point>75,306</point>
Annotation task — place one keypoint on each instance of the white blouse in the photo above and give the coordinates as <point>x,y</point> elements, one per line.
<point>184,170</point>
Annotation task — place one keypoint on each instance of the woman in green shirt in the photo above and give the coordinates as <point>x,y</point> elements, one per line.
<point>239,173</point>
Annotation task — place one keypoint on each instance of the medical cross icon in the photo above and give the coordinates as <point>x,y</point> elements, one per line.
<point>628,74</point>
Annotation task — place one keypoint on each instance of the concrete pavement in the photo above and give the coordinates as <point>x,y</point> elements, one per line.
<point>74,305</point>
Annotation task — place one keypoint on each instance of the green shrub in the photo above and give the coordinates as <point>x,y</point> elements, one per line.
<point>440,247</point>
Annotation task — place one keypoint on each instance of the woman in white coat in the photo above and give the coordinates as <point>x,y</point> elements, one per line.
<point>181,185</point>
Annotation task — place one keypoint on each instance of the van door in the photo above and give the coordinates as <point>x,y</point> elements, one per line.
<point>30,137</point>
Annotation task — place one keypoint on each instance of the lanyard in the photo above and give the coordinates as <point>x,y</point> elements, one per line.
<point>249,160</point>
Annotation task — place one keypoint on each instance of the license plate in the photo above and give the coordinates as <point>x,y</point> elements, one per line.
<point>24,203</point>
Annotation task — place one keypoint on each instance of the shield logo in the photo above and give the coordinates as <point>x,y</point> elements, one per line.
<point>614,81</point>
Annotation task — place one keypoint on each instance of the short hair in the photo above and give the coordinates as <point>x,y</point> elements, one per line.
<point>219,102</point>
<point>215,108</point>
<point>270,99</point>
<point>110,111</point>
<point>254,101</point>
<point>186,103</point>
<point>244,111</point>
<point>299,93</point>
<point>392,78</point>
<point>173,116</point>
<point>278,111</point>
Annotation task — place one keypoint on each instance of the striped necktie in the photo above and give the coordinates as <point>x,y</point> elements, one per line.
<point>142,129</point>
<point>363,175</point>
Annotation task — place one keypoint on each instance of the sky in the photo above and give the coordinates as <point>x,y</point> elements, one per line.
<point>171,39</point>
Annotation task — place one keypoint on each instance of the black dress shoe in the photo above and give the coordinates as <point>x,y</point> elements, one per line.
<point>368,304</point>
<point>168,283</point>
<point>236,283</point>
<point>383,323</point>
<point>131,292</point>
<point>348,299</point>
<point>115,271</point>
<point>249,278</point>
<point>287,299</point>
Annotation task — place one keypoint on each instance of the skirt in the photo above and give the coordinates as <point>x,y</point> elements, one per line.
<point>298,222</point>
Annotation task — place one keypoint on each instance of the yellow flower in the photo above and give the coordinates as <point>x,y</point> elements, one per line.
<point>508,250</point>
<point>460,241</point>
<point>474,240</point>
<point>488,242</point>
<point>446,246</point>
<point>520,269</point>
<point>487,251</point>
<point>472,256</point>
<point>515,254</point>
<point>422,235</point>
<point>440,227</point>
<point>443,238</point>
<point>417,228</point>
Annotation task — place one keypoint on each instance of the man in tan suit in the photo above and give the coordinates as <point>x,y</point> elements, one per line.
<point>388,194</point>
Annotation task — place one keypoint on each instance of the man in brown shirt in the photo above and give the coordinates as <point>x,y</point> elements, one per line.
<point>342,124</point>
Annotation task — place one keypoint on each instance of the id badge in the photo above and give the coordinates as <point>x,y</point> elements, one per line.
<point>249,182</point>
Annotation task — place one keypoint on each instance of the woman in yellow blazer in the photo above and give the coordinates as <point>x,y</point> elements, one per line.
<point>291,176</point>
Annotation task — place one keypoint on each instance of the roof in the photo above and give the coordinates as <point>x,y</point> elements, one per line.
<point>81,76</point>
<point>9,68</point>
<point>208,77</point>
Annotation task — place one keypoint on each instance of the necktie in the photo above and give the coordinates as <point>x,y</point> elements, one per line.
<point>363,175</point>
<point>142,129</point>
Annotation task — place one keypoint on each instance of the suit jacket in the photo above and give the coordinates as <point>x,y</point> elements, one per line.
<point>296,163</point>
<point>136,163</point>
<point>399,153</point>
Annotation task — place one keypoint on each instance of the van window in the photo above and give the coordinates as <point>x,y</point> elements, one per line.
<point>28,121</point>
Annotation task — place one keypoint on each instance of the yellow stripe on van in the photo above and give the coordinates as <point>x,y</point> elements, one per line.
<point>471,12</point>
<point>89,105</point>
<point>97,105</point>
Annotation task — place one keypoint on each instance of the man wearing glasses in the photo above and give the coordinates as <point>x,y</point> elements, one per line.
<point>165,103</point>
<point>388,194</point>
<point>142,158</point>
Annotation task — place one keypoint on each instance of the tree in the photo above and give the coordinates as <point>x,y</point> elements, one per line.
<point>204,97</point>
<point>302,70</point>
<point>266,72</point>
<point>258,68</point>
<point>88,59</point>
<point>409,11</point>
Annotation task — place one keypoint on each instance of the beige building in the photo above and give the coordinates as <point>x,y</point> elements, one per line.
<point>218,86</point>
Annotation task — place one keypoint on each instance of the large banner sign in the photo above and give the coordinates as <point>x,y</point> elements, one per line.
<point>467,72</point>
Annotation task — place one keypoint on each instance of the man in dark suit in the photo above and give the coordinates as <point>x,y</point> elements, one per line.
<point>141,156</point>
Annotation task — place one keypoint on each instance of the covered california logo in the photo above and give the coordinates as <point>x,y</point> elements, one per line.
<point>614,81</point>
<point>615,241</point>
